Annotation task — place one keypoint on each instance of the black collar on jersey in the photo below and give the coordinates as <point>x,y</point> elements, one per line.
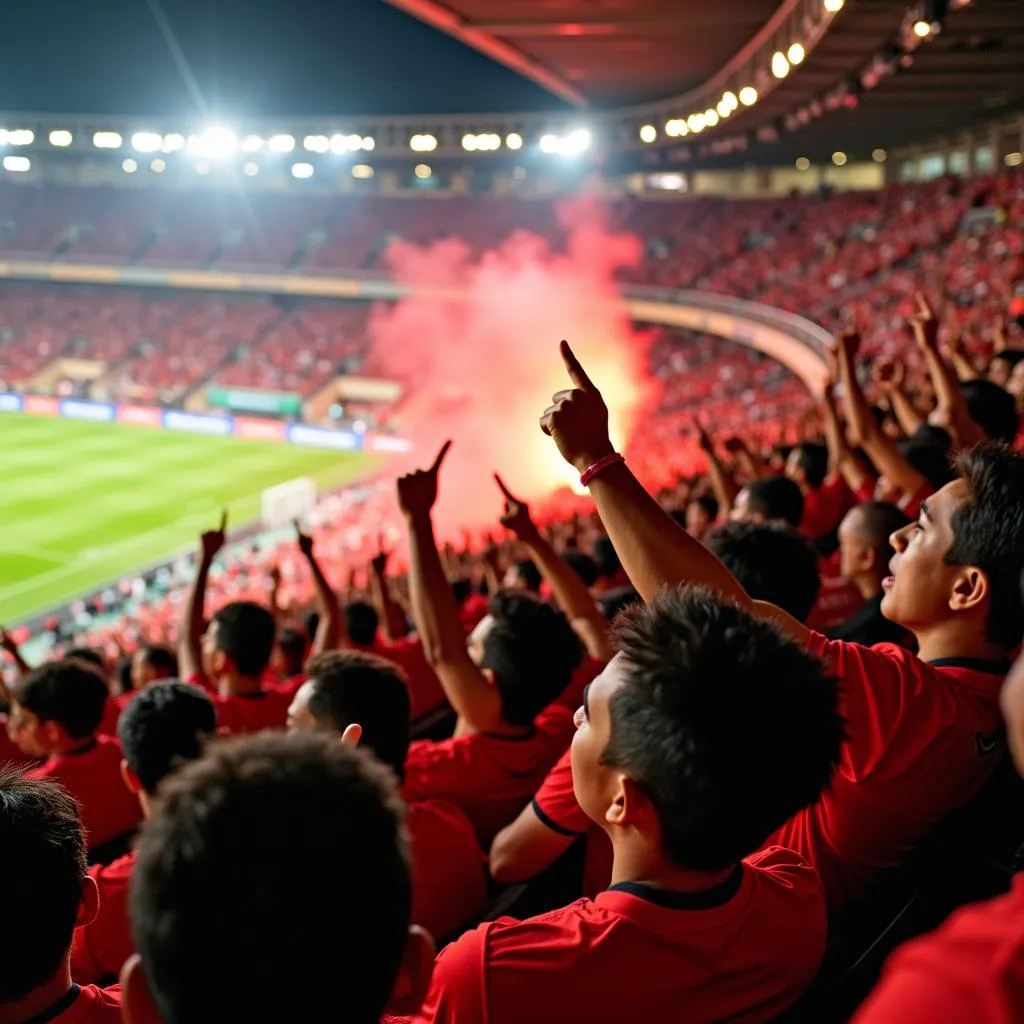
<point>512,739</point>
<point>992,668</point>
<point>704,899</point>
<point>58,1007</point>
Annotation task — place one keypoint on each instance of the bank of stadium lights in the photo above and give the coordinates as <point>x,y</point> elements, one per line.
<point>780,66</point>
<point>17,164</point>
<point>281,143</point>
<point>485,142</point>
<point>514,140</point>
<point>173,142</point>
<point>250,169</point>
<point>423,143</point>
<point>695,122</point>
<point>252,144</point>
<point>60,138</point>
<point>572,144</point>
<point>107,140</point>
<point>710,117</point>
<point>362,171</point>
<point>213,144</point>
<point>147,142</point>
<point>302,170</point>
<point>676,128</point>
<point>129,166</point>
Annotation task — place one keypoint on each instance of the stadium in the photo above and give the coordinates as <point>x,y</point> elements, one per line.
<point>525,498</point>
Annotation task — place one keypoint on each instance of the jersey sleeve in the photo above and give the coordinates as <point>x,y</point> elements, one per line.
<point>458,991</point>
<point>909,991</point>
<point>555,802</point>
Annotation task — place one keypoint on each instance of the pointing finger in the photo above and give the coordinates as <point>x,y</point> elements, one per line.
<point>576,372</point>
<point>441,456</point>
<point>503,488</point>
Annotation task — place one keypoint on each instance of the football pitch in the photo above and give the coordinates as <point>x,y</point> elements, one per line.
<point>85,503</point>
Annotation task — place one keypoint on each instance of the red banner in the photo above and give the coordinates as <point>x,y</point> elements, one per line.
<point>140,415</point>
<point>259,430</point>
<point>41,405</point>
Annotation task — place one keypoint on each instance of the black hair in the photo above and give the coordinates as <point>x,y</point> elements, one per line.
<point>728,727</point>
<point>988,532</point>
<point>772,562</point>
<point>584,567</point>
<point>349,686</point>
<point>530,575</point>
<point>89,655</point>
<point>288,838</point>
<point>929,451</point>
<point>71,692</point>
<point>42,858</point>
<point>122,676</point>
<point>532,651</point>
<point>162,727</point>
<point>607,557</point>
<point>293,643</point>
<point>879,521</point>
<point>709,505</point>
<point>776,497</point>
<point>461,590</point>
<point>361,623</point>
<point>1011,356</point>
<point>162,659</point>
<point>993,408</point>
<point>813,458</point>
<point>245,633</point>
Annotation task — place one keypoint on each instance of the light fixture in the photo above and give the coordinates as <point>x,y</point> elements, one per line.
<point>879,156</point>
<point>423,171</point>
<point>922,28</point>
<point>695,123</point>
<point>710,117</point>
<point>729,99</point>
<point>107,140</point>
<point>147,142</point>
<point>252,144</point>
<point>676,127</point>
<point>833,6</point>
<point>61,138</point>
<point>780,66</point>
<point>362,171</point>
<point>803,164</point>
<point>213,143</point>
<point>173,142</point>
<point>423,143</point>
<point>369,142</point>
<point>21,137</point>
<point>316,143</point>
<point>748,96</point>
<point>839,158</point>
<point>302,170</point>
<point>648,133</point>
<point>158,166</point>
<point>1013,159</point>
<point>469,143</point>
<point>250,169</point>
<point>796,53</point>
<point>129,166</point>
<point>514,140</point>
<point>281,143</point>
<point>17,163</point>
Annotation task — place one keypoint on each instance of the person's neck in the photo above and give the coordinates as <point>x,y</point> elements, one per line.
<point>642,868</point>
<point>235,686</point>
<point>74,746</point>
<point>39,1000</point>
<point>868,587</point>
<point>961,643</point>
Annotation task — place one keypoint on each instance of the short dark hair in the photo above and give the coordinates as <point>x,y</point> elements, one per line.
<point>87,654</point>
<point>584,567</point>
<point>607,557</point>
<point>813,458</point>
<point>349,686</point>
<point>776,497</point>
<point>293,643</point>
<point>297,842</point>
<point>245,633</point>
<point>361,622</point>
<point>42,856</point>
<point>532,651</point>
<point>70,692</point>
<point>162,727</point>
<point>530,574</point>
<point>709,505</point>
<point>161,658</point>
<point>993,408</point>
<point>727,726</point>
<point>772,562</point>
<point>929,451</point>
<point>879,521</point>
<point>988,532</point>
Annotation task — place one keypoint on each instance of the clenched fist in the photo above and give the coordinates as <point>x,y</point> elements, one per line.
<point>417,491</point>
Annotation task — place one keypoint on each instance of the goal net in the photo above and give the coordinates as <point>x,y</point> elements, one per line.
<point>288,501</point>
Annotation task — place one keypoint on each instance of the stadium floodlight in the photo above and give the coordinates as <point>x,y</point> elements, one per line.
<point>729,99</point>
<point>839,158</point>
<point>833,6</point>
<point>107,140</point>
<point>213,143</point>
<point>173,142</point>
<point>710,117</point>
<point>316,143</point>
<point>803,164</point>
<point>780,66</point>
<point>202,167</point>
<point>879,156</point>
<point>748,96</point>
<point>796,53</point>
<point>576,142</point>
<point>695,122</point>
<point>469,142</point>
<point>364,171</point>
<point>281,143</point>
<point>17,163</point>
<point>61,137</point>
<point>369,142</point>
<point>158,166</point>
<point>338,144</point>
<point>21,137</point>
<point>252,144</point>
<point>354,142</point>
<point>423,143</point>
<point>129,166</point>
<point>147,142</point>
<point>648,133</point>
<point>514,140</point>
<point>549,143</point>
<point>423,171</point>
<point>251,169</point>
<point>302,170</point>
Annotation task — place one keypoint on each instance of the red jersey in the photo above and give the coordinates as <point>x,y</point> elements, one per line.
<point>89,1005</point>
<point>970,971</point>
<point>490,777</point>
<point>744,951</point>
<point>923,739</point>
<point>824,507</point>
<point>112,713</point>
<point>239,713</point>
<point>555,804</point>
<point>448,883</point>
<point>837,599</point>
<point>100,948</point>
<point>93,777</point>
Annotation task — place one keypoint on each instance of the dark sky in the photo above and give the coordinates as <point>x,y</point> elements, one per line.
<point>249,58</point>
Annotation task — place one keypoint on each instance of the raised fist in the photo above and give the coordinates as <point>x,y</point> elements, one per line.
<point>213,540</point>
<point>517,513</point>
<point>417,491</point>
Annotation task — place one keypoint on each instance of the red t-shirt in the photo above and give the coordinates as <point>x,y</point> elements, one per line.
<point>93,778</point>
<point>970,971</point>
<point>747,957</point>
<point>425,690</point>
<point>100,948</point>
<point>91,1005</point>
<point>448,883</point>
<point>238,714</point>
<point>837,599</point>
<point>824,507</point>
<point>923,739</point>
<point>555,804</point>
<point>112,713</point>
<point>490,777</point>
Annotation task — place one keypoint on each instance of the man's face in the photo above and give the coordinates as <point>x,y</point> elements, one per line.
<point>143,673</point>
<point>300,718</point>
<point>854,552</point>
<point>918,591</point>
<point>26,732</point>
<point>595,784</point>
<point>213,659</point>
<point>741,508</point>
<point>999,371</point>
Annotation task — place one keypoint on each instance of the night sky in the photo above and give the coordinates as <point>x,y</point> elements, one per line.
<point>248,58</point>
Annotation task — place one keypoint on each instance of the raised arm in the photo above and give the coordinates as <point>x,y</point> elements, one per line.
<point>331,629</point>
<point>392,619</point>
<point>889,375</point>
<point>190,654</point>
<point>653,549</point>
<point>8,643</point>
<point>570,592</point>
<point>841,457</point>
<point>747,460</point>
<point>477,703</point>
<point>275,594</point>
<point>722,482</point>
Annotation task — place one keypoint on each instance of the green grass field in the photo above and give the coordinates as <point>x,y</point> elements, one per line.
<point>85,503</point>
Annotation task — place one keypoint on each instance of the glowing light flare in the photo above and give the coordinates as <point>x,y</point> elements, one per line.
<point>780,66</point>
<point>748,96</point>
<point>61,138</point>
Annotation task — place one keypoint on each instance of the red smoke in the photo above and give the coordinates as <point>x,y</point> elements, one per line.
<point>481,368</point>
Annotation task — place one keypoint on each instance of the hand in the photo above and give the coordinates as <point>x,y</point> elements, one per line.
<point>735,445</point>
<point>417,491</point>
<point>577,419</point>
<point>924,324</point>
<point>1000,341</point>
<point>304,540</point>
<point>275,576</point>
<point>379,562</point>
<point>703,439</point>
<point>888,374</point>
<point>517,513</point>
<point>7,642</point>
<point>491,554</point>
<point>848,342</point>
<point>213,540</point>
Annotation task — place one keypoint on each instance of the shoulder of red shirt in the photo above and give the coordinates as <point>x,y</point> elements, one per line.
<point>92,1005</point>
<point>970,969</point>
<point>100,948</point>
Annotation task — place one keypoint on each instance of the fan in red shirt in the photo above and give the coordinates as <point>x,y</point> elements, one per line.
<point>150,664</point>
<point>972,968</point>
<point>47,892</point>
<point>700,737</point>
<point>364,699</point>
<point>517,662</point>
<point>166,725</point>
<point>924,732</point>
<point>826,498</point>
<point>55,714</point>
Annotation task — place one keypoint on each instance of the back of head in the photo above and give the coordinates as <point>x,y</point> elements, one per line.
<point>273,883</point>
<point>532,651</point>
<point>162,660</point>
<point>245,633</point>
<point>528,575</point>
<point>929,451</point>
<point>70,692</point>
<point>813,462</point>
<point>878,521</point>
<point>584,567</point>
<point>775,498</point>
<point>164,726</point>
<point>42,857</point>
<point>349,686</point>
<point>87,654</point>
<point>361,623</point>
<point>293,643</point>
<point>727,726</point>
<point>993,408</point>
<point>988,532</point>
<point>772,562</point>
